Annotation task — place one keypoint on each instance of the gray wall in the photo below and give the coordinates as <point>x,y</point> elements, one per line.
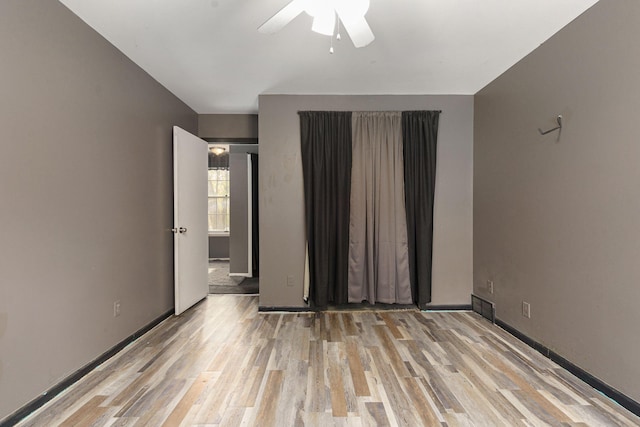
<point>218,246</point>
<point>557,222</point>
<point>281,191</point>
<point>239,207</point>
<point>228,126</point>
<point>239,214</point>
<point>86,189</point>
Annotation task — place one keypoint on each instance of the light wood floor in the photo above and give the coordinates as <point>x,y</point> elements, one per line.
<point>224,364</point>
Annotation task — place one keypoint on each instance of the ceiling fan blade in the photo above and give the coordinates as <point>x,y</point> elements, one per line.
<point>325,23</point>
<point>283,17</point>
<point>358,29</point>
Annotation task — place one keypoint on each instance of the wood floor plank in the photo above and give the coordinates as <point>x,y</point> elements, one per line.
<point>241,395</point>
<point>232,417</point>
<point>294,393</point>
<point>391,351</point>
<point>69,400</point>
<point>120,422</point>
<point>147,377</point>
<point>336,384</point>
<point>560,392</point>
<point>358,377</point>
<point>433,380</point>
<point>223,363</point>
<point>388,319</point>
<point>425,412</point>
<point>472,400</point>
<point>188,400</point>
<point>215,404</point>
<point>482,382</point>
<point>353,408</point>
<point>623,418</point>
<point>376,414</point>
<point>252,387</point>
<point>300,339</point>
<point>159,407</point>
<point>335,327</point>
<point>531,394</point>
<point>266,415</point>
<point>124,409</point>
<point>542,408</point>
<point>87,414</point>
<point>350,328</point>
<point>316,391</point>
<point>398,399</point>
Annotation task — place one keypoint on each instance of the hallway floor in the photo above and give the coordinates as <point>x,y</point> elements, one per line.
<point>221,283</point>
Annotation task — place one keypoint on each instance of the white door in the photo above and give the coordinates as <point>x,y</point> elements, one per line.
<point>191,247</point>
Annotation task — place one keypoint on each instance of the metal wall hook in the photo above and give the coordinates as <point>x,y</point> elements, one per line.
<point>559,127</point>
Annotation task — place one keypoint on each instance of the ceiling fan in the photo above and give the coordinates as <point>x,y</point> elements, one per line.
<point>349,12</point>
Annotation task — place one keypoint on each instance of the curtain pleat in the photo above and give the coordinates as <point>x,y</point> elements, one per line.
<point>325,138</point>
<point>378,251</point>
<point>420,132</point>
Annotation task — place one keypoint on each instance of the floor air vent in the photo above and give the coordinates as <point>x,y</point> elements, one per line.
<point>484,308</point>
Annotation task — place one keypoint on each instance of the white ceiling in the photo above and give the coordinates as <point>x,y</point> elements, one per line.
<point>210,55</point>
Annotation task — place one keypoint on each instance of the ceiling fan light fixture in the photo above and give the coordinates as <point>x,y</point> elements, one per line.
<point>218,150</point>
<point>324,23</point>
<point>315,8</point>
<point>326,14</point>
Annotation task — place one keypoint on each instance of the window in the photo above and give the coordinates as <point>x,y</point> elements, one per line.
<point>218,200</point>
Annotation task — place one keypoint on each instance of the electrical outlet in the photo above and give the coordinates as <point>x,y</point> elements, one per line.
<point>290,281</point>
<point>526,309</point>
<point>116,308</point>
<point>490,286</point>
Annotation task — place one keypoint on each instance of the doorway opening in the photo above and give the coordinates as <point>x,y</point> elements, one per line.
<point>233,218</point>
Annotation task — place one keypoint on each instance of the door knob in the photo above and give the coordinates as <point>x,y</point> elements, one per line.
<point>175,230</point>
<point>182,229</point>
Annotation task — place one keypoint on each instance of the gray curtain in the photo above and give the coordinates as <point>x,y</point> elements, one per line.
<point>420,133</point>
<point>378,251</point>
<point>325,138</point>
